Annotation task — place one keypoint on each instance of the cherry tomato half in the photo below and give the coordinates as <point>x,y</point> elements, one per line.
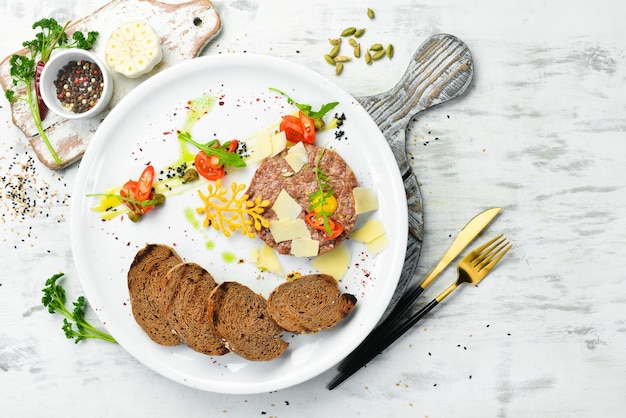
<point>291,126</point>
<point>308,128</point>
<point>130,190</point>
<point>208,166</point>
<point>299,128</point>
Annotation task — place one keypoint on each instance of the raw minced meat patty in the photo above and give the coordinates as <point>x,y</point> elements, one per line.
<point>274,175</point>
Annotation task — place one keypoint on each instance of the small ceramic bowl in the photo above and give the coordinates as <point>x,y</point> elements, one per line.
<point>76,84</point>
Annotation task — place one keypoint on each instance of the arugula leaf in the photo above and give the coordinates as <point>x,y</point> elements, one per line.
<point>324,191</point>
<point>227,158</point>
<point>306,108</point>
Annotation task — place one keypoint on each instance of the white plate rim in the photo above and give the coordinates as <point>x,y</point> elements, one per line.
<point>91,156</point>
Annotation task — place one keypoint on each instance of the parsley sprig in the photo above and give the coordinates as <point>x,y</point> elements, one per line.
<point>54,300</point>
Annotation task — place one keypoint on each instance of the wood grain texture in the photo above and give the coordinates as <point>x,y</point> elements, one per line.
<point>184,30</point>
<point>441,69</point>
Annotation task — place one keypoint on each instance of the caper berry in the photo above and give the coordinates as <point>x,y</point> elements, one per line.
<point>158,199</point>
<point>134,216</point>
<point>319,124</point>
<point>190,175</point>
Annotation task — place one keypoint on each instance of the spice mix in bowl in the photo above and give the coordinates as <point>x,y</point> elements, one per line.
<point>76,84</point>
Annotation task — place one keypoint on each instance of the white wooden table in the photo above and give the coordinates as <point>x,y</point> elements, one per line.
<point>541,132</point>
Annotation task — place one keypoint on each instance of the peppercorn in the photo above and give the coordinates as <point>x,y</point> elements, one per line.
<point>79,85</point>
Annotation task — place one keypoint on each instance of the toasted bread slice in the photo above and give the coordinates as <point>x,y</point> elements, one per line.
<point>309,304</point>
<point>189,286</point>
<point>145,276</point>
<point>239,316</point>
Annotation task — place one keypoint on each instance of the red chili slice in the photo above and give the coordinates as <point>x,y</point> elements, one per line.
<point>317,222</point>
<point>43,109</point>
<point>144,185</point>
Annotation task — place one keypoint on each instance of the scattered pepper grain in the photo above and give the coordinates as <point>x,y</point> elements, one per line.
<point>79,85</point>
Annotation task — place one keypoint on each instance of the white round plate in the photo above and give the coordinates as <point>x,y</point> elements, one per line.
<point>141,130</point>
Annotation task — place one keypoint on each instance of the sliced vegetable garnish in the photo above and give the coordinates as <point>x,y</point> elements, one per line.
<point>208,166</point>
<point>323,201</point>
<point>144,185</point>
<point>302,128</point>
<point>331,228</point>
<point>299,128</point>
<point>213,158</point>
<point>130,195</point>
<point>138,195</point>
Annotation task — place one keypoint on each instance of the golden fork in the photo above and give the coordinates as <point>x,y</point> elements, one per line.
<point>471,269</point>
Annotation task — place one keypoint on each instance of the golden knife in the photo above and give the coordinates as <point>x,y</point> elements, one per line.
<point>469,232</point>
<point>467,235</point>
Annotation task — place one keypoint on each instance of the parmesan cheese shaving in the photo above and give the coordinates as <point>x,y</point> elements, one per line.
<point>262,146</point>
<point>334,262</point>
<point>296,157</point>
<point>287,229</point>
<point>268,261</point>
<point>285,207</point>
<point>305,247</point>
<point>377,245</point>
<point>279,142</point>
<point>370,230</point>
<point>365,200</point>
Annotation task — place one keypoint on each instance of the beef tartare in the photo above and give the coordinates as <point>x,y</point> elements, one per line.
<point>276,174</point>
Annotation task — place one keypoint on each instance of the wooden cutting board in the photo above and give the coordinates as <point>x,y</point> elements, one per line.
<point>184,30</point>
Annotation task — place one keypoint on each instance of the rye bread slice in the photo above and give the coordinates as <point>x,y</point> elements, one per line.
<point>309,304</point>
<point>145,276</point>
<point>190,285</point>
<point>239,316</point>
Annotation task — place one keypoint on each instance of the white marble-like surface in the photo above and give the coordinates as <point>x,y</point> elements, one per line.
<point>541,132</point>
